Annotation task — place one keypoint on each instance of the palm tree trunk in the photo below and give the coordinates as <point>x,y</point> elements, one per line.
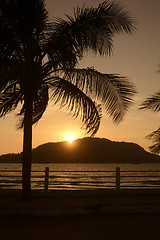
<point>27,150</point>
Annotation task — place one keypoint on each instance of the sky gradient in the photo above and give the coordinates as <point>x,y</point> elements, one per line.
<point>136,57</point>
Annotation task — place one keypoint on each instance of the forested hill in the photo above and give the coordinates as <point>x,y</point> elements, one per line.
<point>87,150</point>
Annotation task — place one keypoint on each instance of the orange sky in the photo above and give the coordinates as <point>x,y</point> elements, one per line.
<point>136,57</point>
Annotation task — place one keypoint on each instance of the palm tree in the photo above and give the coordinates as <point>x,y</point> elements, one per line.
<point>153,103</point>
<point>38,63</point>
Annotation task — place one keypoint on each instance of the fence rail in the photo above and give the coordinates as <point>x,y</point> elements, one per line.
<point>76,180</point>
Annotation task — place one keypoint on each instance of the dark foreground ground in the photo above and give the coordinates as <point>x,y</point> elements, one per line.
<point>138,218</point>
<point>82,227</point>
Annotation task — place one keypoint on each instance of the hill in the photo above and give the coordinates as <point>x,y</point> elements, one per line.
<point>87,150</point>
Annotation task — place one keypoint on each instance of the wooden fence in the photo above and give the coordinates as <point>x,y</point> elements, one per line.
<point>82,180</point>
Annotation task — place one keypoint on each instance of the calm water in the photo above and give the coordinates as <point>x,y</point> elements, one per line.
<point>83,176</point>
<point>84,167</point>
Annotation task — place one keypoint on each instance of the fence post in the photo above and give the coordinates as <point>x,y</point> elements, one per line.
<point>117,178</point>
<point>46,179</point>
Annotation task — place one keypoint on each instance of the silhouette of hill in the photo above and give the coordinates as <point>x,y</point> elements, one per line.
<point>87,150</point>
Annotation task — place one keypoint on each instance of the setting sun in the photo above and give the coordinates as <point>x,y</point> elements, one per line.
<point>70,139</point>
<point>71,135</point>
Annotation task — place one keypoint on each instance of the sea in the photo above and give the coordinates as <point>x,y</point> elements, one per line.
<point>82,176</point>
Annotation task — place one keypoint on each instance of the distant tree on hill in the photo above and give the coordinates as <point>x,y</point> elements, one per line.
<point>38,63</point>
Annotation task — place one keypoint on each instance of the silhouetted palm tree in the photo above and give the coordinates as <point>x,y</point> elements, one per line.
<point>153,103</point>
<point>38,63</point>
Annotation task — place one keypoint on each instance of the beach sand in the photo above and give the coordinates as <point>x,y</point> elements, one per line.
<point>82,227</point>
<point>131,216</point>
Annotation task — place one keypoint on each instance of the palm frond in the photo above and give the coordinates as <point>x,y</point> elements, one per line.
<point>9,101</point>
<point>10,77</point>
<point>77,103</point>
<point>40,103</point>
<point>23,17</point>
<point>20,31</point>
<point>155,137</point>
<point>90,28</point>
<point>114,91</point>
<point>152,103</point>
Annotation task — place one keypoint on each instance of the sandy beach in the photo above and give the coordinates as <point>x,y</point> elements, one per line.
<point>80,199</point>
<point>87,227</point>
<point>123,216</point>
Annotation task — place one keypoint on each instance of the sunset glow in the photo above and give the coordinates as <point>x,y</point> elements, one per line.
<point>70,139</point>
<point>136,57</point>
